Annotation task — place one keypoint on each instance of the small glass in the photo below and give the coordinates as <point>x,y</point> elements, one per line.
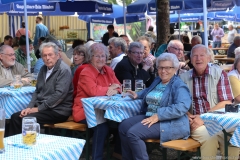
<point>34,79</point>
<point>2,129</point>
<point>30,130</point>
<point>17,83</point>
<point>127,85</point>
<point>139,85</point>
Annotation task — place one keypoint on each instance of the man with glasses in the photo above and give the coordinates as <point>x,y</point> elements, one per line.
<point>9,67</point>
<point>176,47</point>
<point>21,52</point>
<point>131,67</point>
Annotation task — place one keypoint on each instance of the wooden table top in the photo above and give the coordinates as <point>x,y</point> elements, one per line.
<point>219,48</point>
<point>224,60</point>
<point>220,56</point>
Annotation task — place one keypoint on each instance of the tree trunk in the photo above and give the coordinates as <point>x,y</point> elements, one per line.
<point>162,20</point>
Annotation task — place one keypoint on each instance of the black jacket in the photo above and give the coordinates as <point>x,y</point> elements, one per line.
<point>125,70</point>
<point>106,37</point>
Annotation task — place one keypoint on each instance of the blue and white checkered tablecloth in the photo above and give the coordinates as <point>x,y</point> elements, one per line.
<point>116,108</point>
<point>48,147</point>
<point>215,123</point>
<point>15,100</point>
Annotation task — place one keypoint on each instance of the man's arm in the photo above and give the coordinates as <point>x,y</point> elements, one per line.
<point>221,33</point>
<point>35,42</point>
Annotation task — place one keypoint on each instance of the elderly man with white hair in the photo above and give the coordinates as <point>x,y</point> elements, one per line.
<point>10,67</point>
<point>231,33</point>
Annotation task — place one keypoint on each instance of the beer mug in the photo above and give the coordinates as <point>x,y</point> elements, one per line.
<point>2,129</point>
<point>126,85</point>
<point>30,130</point>
<point>34,79</point>
<point>139,85</point>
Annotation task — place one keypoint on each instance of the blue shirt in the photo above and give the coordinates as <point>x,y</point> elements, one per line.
<point>38,65</point>
<point>153,99</point>
<point>40,31</point>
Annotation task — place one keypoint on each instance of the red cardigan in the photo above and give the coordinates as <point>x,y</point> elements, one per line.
<point>91,83</point>
<point>76,77</point>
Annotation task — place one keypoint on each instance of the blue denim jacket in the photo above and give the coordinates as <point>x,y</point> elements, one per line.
<point>175,103</point>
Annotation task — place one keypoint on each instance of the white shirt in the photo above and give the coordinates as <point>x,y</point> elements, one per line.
<point>231,35</point>
<point>115,60</point>
<point>49,71</point>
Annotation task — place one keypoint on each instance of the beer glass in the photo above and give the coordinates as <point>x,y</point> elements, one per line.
<point>139,85</point>
<point>34,79</point>
<point>2,129</point>
<point>126,85</point>
<point>30,130</point>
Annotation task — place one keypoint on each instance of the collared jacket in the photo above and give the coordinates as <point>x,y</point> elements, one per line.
<point>16,69</point>
<point>174,105</point>
<point>22,58</point>
<point>92,83</point>
<point>56,92</point>
<point>125,70</point>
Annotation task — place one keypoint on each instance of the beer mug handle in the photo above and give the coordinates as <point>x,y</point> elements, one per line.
<point>37,128</point>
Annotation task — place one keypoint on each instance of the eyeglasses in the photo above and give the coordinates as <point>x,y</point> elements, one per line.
<point>140,53</point>
<point>98,57</point>
<point>10,55</point>
<point>78,54</point>
<point>47,55</point>
<point>177,49</point>
<point>164,68</point>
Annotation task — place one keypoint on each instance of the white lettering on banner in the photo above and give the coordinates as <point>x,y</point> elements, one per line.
<point>175,7</point>
<point>105,8</point>
<point>222,4</point>
<point>189,19</point>
<point>141,18</point>
<point>224,16</point>
<point>37,7</point>
<point>152,9</point>
<point>101,21</point>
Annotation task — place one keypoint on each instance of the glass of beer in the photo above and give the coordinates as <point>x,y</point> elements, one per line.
<point>2,129</point>
<point>139,85</point>
<point>127,85</point>
<point>30,130</point>
<point>34,79</point>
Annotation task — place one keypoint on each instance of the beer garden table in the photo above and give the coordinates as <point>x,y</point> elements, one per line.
<point>15,100</point>
<point>116,108</point>
<point>228,122</point>
<point>47,147</point>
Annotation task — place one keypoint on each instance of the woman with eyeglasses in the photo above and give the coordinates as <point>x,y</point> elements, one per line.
<point>96,79</point>
<point>163,113</point>
<point>79,54</point>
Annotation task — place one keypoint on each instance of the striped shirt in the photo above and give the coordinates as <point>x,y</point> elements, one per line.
<point>200,86</point>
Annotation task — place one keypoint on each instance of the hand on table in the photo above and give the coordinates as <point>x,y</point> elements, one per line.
<point>195,122</point>
<point>111,92</point>
<point>114,86</point>
<point>26,80</point>
<point>150,120</point>
<point>133,94</point>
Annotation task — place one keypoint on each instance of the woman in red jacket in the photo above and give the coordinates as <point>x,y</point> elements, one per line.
<point>96,79</point>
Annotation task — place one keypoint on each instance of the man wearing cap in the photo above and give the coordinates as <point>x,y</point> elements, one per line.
<point>40,31</point>
<point>21,52</point>
<point>9,67</point>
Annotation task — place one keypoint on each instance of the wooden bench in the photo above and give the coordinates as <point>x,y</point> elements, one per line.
<point>78,130</point>
<point>188,145</point>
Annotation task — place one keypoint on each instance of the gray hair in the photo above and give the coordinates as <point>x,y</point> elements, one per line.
<point>97,47</point>
<point>118,41</point>
<point>81,49</point>
<point>48,45</point>
<point>142,38</point>
<point>237,51</point>
<point>3,48</point>
<point>172,43</point>
<point>236,61</point>
<point>168,57</point>
<point>201,46</point>
<point>236,38</point>
<point>135,44</point>
<point>197,38</point>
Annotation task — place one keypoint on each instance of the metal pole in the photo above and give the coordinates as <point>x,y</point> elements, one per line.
<point>27,38</point>
<point>179,26</point>
<point>124,17</point>
<point>205,22</point>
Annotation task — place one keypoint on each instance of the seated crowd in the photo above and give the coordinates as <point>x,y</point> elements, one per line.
<point>177,89</point>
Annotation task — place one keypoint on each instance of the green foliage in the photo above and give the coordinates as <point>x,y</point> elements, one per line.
<point>112,1</point>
